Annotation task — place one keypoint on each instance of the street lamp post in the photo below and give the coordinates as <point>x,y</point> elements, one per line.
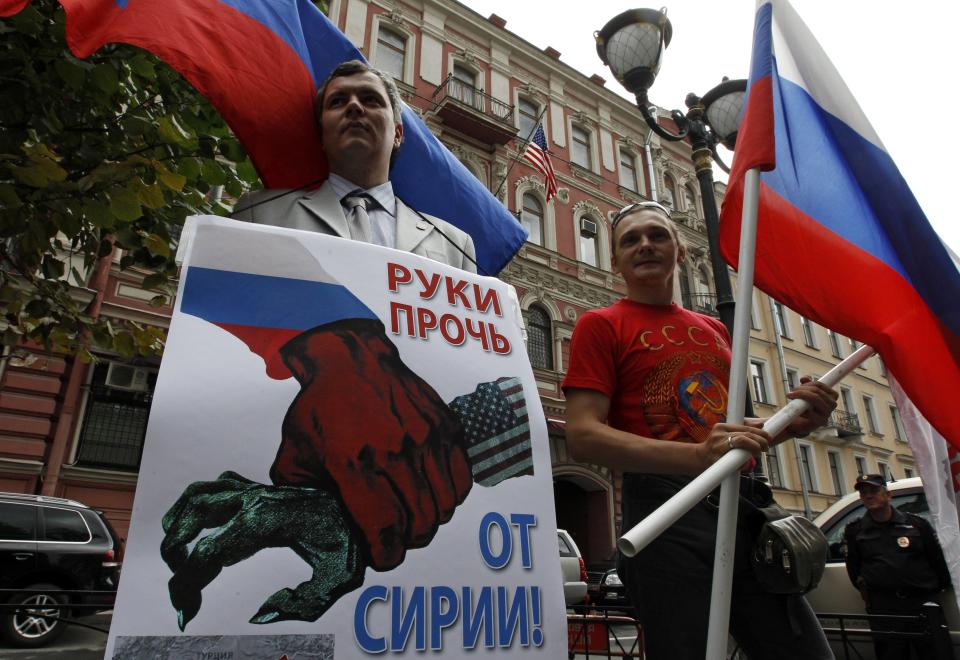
<point>632,45</point>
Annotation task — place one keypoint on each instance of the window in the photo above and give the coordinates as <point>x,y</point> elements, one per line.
<point>64,525</point>
<point>464,86</point>
<point>780,313</point>
<point>861,465</point>
<point>774,473</point>
<point>836,474</point>
<point>759,382</point>
<point>531,217</point>
<point>793,378</point>
<point>684,276</point>
<point>539,338</point>
<point>907,473</point>
<point>670,193</point>
<point>391,52</point>
<point>115,418</point>
<point>529,113</point>
<point>18,522</point>
<point>580,147</point>
<point>806,468</point>
<point>690,199</point>
<point>846,397</point>
<point>628,170</point>
<point>808,336</point>
<point>835,344</point>
<point>884,470</point>
<point>588,242</point>
<point>871,414</point>
<point>897,424</point>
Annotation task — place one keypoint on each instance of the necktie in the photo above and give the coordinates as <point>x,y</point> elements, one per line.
<point>357,218</point>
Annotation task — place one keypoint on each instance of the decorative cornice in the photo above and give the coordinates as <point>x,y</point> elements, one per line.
<point>588,206</point>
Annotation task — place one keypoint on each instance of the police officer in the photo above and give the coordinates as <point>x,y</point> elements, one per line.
<point>895,561</point>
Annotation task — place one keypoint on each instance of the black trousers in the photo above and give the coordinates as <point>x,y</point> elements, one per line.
<point>892,648</point>
<point>669,585</point>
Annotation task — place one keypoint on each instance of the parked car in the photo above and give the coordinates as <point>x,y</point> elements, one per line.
<point>604,587</point>
<point>49,544</point>
<point>573,569</point>
<point>835,594</point>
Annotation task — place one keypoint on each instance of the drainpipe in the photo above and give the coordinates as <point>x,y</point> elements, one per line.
<point>77,374</point>
<point>807,511</point>
<point>650,173</point>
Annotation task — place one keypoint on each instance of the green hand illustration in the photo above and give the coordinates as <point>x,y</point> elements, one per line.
<point>248,517</point>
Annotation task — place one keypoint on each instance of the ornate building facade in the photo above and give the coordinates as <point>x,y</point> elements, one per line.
<point>73,430</point>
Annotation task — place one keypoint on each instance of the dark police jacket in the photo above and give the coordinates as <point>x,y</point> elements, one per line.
<point>901,555</point>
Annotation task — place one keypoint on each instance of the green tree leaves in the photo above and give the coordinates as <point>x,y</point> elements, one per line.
<point>117,148</point>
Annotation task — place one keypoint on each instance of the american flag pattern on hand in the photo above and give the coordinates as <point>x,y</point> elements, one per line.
<point>497,431</point>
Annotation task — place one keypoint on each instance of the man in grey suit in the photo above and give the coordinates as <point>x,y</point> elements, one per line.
<point>358,111</point>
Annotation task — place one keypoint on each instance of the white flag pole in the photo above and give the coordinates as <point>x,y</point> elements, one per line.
<point>730,487</point>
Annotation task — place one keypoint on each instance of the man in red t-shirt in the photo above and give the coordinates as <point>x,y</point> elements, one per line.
<point>646,395</point>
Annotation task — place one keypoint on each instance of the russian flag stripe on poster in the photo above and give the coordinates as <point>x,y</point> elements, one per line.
<point>226,285</point>
<point>840,237</point>
<point>259,63</point>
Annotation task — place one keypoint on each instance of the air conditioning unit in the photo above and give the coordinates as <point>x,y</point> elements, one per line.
<point>127,377</point>
<point>589,226</point>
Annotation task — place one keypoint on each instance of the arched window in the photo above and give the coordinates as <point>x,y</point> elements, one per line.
<point>589,243</point>
<point>391,51</point>
<point>670,192</point>
<point>539,338</point>
<point>529,112</point>
<point>690,198</point>
<point>531,217</point>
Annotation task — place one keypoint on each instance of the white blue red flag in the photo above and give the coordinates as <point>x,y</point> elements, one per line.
<point>537,155</point>
<point>840,238</point>
<point>259,63</point>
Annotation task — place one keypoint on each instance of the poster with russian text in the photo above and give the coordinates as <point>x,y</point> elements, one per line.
<point>346,457</point>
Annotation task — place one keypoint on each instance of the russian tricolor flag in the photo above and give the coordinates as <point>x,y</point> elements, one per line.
<point>259,63</point>
<point>227,284</point>
<point>841,238</point>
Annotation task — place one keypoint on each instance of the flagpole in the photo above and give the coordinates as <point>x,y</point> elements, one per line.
<point>520,152</point>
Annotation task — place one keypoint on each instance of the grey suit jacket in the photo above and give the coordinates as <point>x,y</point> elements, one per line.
<point>320,211</point>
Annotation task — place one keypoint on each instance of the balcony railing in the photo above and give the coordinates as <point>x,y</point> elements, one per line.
<point>846,423</point>
<point>474,112</point>
<point>705,303</point>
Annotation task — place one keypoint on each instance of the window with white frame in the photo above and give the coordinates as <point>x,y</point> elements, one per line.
<point>690,199</point>
<point>628,170</point>
<point>846,398</point>
<point>464,86</point>
<point>580,149</point>
<point>670,193</point>
<point>861,463</point>
<point>781,313</point>
<point>836,472</point>
<point>774,470</point>
<point>758,379</point>
<point>793,378</point>
<point>885,471</point>
<point>528,113</point>
<point>809,337</point>
<point>835,348</point>
<point>871,413</point>
<point>897,422</point>
<point>531,217</point>
<point>807,470</point>
<point>589,244</point>
<point>391,52</point>
<point>539,338</point>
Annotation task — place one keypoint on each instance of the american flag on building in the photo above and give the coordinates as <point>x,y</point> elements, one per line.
<point>497,431</point>
<point>536,154</point>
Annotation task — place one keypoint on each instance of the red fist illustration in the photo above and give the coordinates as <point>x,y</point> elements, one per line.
<point>368,427</point>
